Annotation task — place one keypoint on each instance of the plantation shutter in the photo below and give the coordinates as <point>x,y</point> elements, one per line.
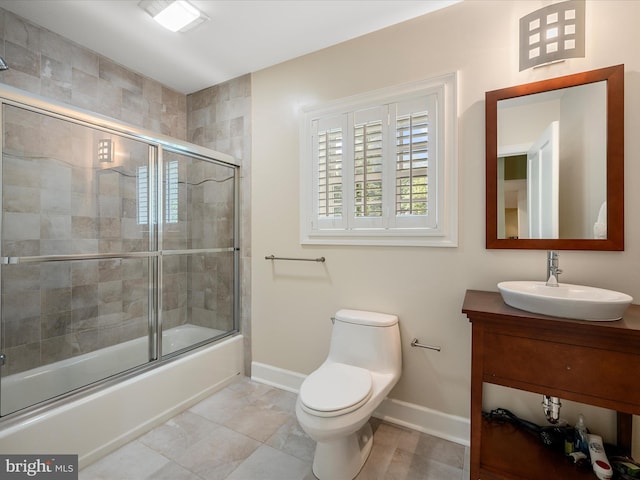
<point>368,133</point>
<point>142,192</point>
<point>328,154</point>
<point>416,183</point>
<point>171,192</point>
<point>380,168</point>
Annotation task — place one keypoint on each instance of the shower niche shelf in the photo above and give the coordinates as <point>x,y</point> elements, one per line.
<point>582,361</point>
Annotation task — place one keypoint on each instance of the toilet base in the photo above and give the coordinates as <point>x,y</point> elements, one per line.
<point>343,458</point>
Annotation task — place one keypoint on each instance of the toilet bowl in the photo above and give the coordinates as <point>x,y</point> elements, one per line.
<point>336,400</point>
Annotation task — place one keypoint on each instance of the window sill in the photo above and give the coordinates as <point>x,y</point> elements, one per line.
<point>390,239</point>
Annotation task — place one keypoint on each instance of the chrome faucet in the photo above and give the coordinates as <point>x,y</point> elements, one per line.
<point>552,268</point>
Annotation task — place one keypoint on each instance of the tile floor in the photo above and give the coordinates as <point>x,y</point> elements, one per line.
<point>248,431</point>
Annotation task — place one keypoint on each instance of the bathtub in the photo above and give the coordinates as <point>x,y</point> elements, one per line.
<point>38,384</point>
<point>112,416</point>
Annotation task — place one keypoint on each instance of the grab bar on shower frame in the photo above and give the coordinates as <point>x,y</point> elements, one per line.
<point>273,257</point>
<point>103,256</point>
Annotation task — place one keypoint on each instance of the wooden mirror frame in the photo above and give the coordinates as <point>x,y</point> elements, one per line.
<point>614,76</point>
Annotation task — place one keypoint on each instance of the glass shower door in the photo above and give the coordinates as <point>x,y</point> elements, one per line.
<point>197,235</point>
<point>77,258</point>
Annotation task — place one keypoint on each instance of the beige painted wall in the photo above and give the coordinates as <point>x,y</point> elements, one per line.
<point>292,301</point>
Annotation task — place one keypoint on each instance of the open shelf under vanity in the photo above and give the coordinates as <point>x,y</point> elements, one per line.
<point>583,361</point>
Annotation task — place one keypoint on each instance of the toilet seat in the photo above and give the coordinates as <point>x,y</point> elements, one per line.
<point>335,389</point>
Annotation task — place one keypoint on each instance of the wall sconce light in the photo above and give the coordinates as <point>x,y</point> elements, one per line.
<point>552,34</point>
<point>105,151</point>
<point>174,15</point>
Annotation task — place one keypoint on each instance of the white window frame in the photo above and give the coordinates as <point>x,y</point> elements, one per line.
<point>390,229</point>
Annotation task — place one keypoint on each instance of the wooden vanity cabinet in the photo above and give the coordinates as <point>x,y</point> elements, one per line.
<point>596,363</point>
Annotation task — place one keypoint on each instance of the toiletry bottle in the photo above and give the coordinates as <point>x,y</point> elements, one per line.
<point>581,436</point>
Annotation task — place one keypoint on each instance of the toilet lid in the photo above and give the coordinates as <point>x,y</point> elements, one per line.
<point>335,389</point>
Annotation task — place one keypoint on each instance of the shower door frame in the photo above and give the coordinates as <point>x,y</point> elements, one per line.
<point>157,144</point>
<point>155,351</point>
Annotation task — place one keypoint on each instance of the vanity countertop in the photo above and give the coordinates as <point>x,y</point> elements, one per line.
<point>490,305</point>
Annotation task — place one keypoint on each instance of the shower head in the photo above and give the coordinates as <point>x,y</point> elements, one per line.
<point>3,65</point>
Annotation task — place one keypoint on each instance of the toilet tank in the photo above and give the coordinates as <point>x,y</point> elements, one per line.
<point>368,340</point>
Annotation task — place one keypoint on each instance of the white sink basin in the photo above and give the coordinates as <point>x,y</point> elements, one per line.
<point>565,300</point>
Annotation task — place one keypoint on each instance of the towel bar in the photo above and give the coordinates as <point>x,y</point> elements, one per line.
<point>273,257</point>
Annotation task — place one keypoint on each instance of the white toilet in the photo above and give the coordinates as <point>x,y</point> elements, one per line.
<point>336,400</point>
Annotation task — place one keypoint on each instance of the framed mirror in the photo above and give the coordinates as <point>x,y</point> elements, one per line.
<point>555,163</point>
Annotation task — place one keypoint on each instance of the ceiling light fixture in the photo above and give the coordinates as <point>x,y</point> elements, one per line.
<point>174,15</point>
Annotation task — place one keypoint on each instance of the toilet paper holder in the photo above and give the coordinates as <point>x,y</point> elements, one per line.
<point>416,343</point>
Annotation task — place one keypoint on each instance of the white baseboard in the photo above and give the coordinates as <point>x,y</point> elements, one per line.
<point>410,415</point>
<point>277,377</point>
<point>426,420</point>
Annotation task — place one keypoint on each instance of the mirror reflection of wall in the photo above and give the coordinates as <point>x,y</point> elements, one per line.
<point>514,182</point>
<point>581,112</point>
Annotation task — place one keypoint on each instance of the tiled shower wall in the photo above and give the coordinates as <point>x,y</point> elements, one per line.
<point>59,200</point>
<point>47,64</point>
<point>219,118</point>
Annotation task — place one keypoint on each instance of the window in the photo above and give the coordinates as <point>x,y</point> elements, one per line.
<point>170,193</point>
<point>380,168</point>
<point>142,190</point>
